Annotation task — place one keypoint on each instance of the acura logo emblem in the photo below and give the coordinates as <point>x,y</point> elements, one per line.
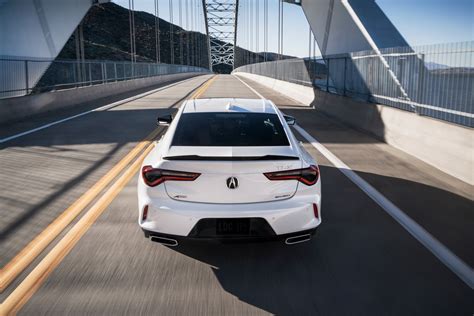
<point>232,183</point>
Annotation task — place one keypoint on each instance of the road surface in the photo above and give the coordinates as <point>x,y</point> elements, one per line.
<point>362,261</point>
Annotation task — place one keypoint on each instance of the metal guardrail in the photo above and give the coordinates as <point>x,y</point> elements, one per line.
<point>435,80</point>
<point>20,77</point>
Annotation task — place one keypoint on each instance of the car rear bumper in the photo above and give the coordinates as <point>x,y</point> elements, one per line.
<point>232,239</point>
<point>177,218</point>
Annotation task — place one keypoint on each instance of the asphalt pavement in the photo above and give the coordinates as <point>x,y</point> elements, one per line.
<point>362,262</point>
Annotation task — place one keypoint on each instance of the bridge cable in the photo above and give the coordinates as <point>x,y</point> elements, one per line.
<point>187,31</point>
<point>196,34</point>
<point>249,31</point>
<point>180,18</point>
<point>281,25</point>
<point>193,35</point>
<point>132,31</point>
<point>252,57</point>
<point>249,41</point>
<point>157,32</point>
<point>171,32</point>
<point>265,29</point>
<point>279,29</point>
<point>130,28</point>
<point>199,42</point>
<point>257,28</point>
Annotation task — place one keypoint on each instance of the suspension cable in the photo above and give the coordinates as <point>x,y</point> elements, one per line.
<point>198,42</point>
<point>265,29</point>
<point>251,32</point>
<point>134,35</point>
<point>171,32</point>
<point>257,28</point>
<point>157,32</point>
<point>132,30</point>
<point>279,29</point>
<point>193,55</point>
<point>200,12</point>
<point>187,32</point>
<point>282,37</point>
<point>180,18</point>
<point>248,33</point>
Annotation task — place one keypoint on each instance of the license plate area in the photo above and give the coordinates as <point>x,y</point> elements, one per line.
<point>233,226</point>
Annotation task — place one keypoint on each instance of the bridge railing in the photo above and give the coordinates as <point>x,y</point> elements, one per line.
<point>435,80</point>
<point>16,74</point>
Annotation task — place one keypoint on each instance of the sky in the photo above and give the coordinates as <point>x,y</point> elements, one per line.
<point>421,22</point>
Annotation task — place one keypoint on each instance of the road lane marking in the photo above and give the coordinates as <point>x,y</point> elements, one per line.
<point>31,251</point>
<point>40,273</point>
<point>440,251</point>
<point>446,256</point>
<point>203,88</point>
<point>102,108</point>
<point>248,86</point>
<point>24,258</point>
<point>23,292</point>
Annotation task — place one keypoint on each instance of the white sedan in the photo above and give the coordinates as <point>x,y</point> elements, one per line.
<point>229,169</point>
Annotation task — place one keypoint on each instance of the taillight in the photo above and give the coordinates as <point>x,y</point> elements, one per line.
<point>145,213</point>
<point>315,210</point>
<point>308,176</point>
<point>154,177</point>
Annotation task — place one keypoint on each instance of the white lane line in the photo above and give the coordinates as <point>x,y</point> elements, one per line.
<point>251,89</point>
<point>446,256</point>
<point>454,263</point>
<point>102,108</point>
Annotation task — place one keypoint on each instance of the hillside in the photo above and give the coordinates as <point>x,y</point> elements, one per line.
<point>107,37</point>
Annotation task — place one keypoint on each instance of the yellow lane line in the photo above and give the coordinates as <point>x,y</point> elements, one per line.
<point>24,258</point>
<point>23,292</point>
<point>203,89</point>
<point>40,273</point>
<point>31,251</point>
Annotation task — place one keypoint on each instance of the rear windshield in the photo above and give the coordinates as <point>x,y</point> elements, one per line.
<point>229,129</point>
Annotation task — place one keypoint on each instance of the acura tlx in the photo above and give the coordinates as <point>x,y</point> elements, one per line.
<point>229,169</point>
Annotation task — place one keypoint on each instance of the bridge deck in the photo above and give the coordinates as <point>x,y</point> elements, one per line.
<point>362,261</point>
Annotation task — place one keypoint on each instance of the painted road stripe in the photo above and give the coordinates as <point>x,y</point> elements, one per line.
<point>203,88</point>
<point>102,108</point>
<point>28,254</point>
<point>446,256</point>
<point>40,273</point>
<point>24,258</point>
<point>20,296</point>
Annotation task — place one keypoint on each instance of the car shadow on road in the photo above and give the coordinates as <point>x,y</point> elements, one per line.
<point>360,262</point>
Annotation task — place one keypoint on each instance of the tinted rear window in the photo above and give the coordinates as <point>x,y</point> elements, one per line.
<point>229,129</point>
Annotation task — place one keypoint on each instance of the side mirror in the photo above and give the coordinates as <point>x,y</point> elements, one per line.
<point>164,120</point>
<point>290,120</point>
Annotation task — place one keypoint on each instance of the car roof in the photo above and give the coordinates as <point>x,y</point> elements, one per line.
<point>228,105</point>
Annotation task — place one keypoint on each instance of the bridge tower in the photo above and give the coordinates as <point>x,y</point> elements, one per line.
<point>221,18</point>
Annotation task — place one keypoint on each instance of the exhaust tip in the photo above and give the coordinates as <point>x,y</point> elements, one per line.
<point>164,241</point>
<point>297,239</point>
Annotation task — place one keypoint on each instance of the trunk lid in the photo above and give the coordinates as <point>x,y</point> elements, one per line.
<point>222,168</point>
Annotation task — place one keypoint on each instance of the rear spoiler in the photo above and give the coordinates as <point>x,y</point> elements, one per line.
<point>231,158</point>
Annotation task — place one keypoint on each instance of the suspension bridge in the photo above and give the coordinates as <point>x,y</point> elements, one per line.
<point>390,125</point>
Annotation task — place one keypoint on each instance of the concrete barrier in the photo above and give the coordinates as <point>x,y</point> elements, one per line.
<point>446,146</point>
<point>18,108</point>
